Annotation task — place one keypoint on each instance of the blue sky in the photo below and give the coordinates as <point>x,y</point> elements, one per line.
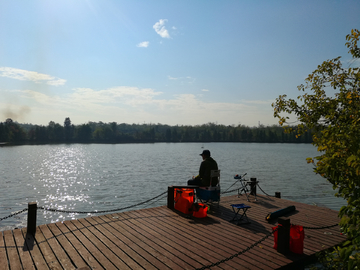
<point>169,62</point>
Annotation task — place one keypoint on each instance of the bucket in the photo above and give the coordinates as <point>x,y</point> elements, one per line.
<point>297,236</point>
<point>184,199</point>
<point>275,237</point>
<point>297,239</point>
<point>200,210</point>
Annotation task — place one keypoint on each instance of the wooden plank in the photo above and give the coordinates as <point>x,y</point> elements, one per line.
<point>46,250</point>
<point>226,245</point>
<point>89,246</point>
<point>140,247</point>
<point>262,220</point>
<point>112,243</point>
<point>31,246</point>
<point>3,258</point>
<point>192,233</point>
<point>99,240</point>
<point>126,245</point>
<point>79,247</point>
<point>12,254</point>
<point>24,254</point>
<point>224,232</point>
<point>156,257</point>
<point>178,251</point>
<point>76,259</point>
<point>175,246</point>
<point>192,249</point>
<point>56,248</point>
<point>152,241</point>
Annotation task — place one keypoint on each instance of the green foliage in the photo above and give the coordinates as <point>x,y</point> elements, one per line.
<point>145,133</point>
<point>330,107</point>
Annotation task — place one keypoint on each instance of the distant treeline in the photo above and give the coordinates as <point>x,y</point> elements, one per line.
<point>15,133</point>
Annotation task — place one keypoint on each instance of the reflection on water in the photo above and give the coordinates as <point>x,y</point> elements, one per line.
<point>81,177</point>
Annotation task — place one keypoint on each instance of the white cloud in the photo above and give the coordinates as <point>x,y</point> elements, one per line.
<point>205,90</point>
<point>143,44</point>
<point>25,75</point>
<point>125,95</point>
<point>182,80</point>
<point>125,104</point>
<point>160,28</point>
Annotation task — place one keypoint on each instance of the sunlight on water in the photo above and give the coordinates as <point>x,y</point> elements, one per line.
<point>94,177</point>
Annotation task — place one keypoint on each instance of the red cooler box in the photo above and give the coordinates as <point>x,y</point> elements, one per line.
<point>184,199</point>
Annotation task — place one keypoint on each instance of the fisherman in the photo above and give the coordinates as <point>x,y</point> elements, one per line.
<point>207,165</point>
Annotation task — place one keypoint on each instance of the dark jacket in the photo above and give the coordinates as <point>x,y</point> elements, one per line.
<point>204,172</point>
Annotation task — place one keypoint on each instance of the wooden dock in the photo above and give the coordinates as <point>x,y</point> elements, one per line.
<point>161,238</point>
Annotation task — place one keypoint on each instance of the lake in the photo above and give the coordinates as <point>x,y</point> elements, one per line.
<point>99,177</point>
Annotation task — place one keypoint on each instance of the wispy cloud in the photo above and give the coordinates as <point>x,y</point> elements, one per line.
<point>143,44</point>
<point>133,105</point>
<point>205,90</point>
<point>160,28</point>
<point>182,80</point>
<point>25,75</point>
<point>121,94</point>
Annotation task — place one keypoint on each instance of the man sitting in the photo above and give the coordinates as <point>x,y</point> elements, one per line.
<point>207,165</point>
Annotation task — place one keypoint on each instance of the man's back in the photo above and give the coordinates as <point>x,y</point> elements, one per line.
<point>206,167</point>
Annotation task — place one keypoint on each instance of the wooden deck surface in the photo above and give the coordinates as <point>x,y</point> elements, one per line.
<point>160,238</point>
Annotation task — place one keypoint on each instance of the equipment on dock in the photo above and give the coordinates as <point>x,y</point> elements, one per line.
<point>210,194</point>
<point>237,210</point>
<point>246,186</point>
<point>280,213</point>
<point>184,199</point>
<point>199,210</point>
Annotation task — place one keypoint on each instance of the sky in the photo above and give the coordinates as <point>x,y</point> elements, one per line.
<point>164,61</point>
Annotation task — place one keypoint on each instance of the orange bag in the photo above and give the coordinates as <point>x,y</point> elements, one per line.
<point>199,210</point>
<point>184,199</point>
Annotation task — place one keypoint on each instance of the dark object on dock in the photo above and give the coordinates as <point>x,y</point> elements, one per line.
<point>242,214</point>
<point>171,193</point>
<point>246,186</point>
<point>288,238</point>
<point>283,245</point>
<point>31,219</point>
<point>280,212</point>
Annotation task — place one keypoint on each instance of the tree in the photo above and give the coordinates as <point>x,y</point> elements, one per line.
<point>334,118</point>
<point>12,132</point>
<point>67,122</point>
<point>84,133</point>
<point>69,129</point>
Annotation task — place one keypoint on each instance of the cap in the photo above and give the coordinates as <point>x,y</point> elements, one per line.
<point>205,153</point>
